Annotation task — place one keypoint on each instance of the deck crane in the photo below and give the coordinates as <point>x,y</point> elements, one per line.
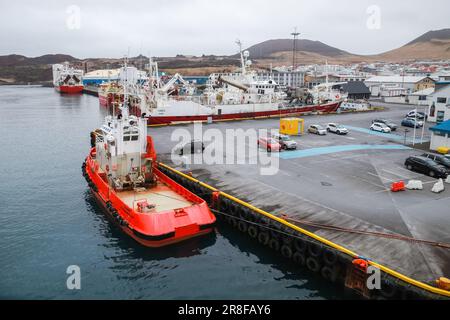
<point>172,81</point>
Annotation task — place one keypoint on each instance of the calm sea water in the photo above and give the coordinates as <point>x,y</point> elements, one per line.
<point>49,220</point>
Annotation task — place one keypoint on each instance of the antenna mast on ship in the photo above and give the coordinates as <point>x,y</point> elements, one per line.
<point>239,43</point>
<point>125,88</point>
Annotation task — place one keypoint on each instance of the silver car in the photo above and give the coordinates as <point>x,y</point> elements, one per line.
<point>285,141</point>
<point>317,129</point>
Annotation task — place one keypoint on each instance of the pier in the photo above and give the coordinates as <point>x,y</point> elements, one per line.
<point>339,202</point>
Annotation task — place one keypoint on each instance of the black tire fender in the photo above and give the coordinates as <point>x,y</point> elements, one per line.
<point>314,249</point>
<point>299,258</point>
<point>313,264</point>
<point>263,238</point>
<point>252,231</point>
<point>300,245</point>
<point>274,244</point>
<point>330,273</point>
<point>286,251</point>
<point>388,290</point>
<point>234,222</point>
<point>242,226</point>
<point>330,257</point>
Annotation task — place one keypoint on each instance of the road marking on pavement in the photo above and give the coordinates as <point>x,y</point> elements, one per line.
<point>381,177</point>
<point>335,149</point>
<point>370,182</point>
<point>395,174</point>
<point>388,135</point>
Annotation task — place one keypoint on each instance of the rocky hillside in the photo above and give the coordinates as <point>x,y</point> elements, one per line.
<point>431,45</point>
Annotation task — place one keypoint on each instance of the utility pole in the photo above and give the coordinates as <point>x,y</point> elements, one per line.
<point>295,34</point>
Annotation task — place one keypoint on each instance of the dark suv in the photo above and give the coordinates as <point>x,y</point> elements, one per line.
<point>426,166</point>
<point>438,158</point>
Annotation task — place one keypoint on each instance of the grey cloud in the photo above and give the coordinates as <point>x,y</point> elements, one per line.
<point>164,28</point>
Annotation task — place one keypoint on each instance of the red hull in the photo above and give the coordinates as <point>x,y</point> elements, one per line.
<point>331,107</point>
<point>70,89</point>
<point>156,229</point>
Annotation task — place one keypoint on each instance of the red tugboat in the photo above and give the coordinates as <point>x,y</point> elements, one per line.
<point>146,204</point>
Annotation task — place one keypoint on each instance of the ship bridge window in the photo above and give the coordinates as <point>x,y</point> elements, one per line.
<point>131,135</point>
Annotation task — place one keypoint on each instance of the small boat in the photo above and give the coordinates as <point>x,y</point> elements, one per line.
<point>145,203</point>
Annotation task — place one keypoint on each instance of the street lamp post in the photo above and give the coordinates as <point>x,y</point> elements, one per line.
<point>295,34</point>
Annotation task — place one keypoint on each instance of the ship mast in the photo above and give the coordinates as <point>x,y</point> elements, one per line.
<point>125,89</point>
<point>239,43</point>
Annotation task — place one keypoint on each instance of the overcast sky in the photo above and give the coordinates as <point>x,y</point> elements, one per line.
<point>165,28</point>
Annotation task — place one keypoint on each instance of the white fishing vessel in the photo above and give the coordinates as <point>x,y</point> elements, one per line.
<point>227,96</point>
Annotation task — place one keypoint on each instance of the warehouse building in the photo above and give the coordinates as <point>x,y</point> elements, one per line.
<point>380,85</point>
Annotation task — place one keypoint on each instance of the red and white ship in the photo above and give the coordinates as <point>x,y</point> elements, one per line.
<point>227,96</point>
<point>144,203</point>
<point>66,79</point>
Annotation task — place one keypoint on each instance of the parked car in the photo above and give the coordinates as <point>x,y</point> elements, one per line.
<point>285,141</point>
<point>195,146</point>
<point>380,127</point>
<point>415,114</point>
<point>438,158</point>
<point>411,123</point>
<point>389,123</point>
<point>426,166</point>
<point>269,144</point>
<point>317,129</point>
<point>337,128</point>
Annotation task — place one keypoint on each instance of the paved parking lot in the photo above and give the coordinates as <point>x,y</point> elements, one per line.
<point>343,181</point>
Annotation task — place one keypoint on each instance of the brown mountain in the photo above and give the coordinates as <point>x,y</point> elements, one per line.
<point>267,48</point>
<point>431,45</point>
<point>19,60</point>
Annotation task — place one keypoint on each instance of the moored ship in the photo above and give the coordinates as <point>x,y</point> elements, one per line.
<point>237,95</point>
<point>146,204</point>
<point>66,79</point>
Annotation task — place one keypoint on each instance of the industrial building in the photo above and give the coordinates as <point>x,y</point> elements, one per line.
<point>291,79</point>
<point>356,90</point>
<point>397,85</point>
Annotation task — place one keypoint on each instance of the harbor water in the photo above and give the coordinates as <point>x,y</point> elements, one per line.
<point>49,221</point>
